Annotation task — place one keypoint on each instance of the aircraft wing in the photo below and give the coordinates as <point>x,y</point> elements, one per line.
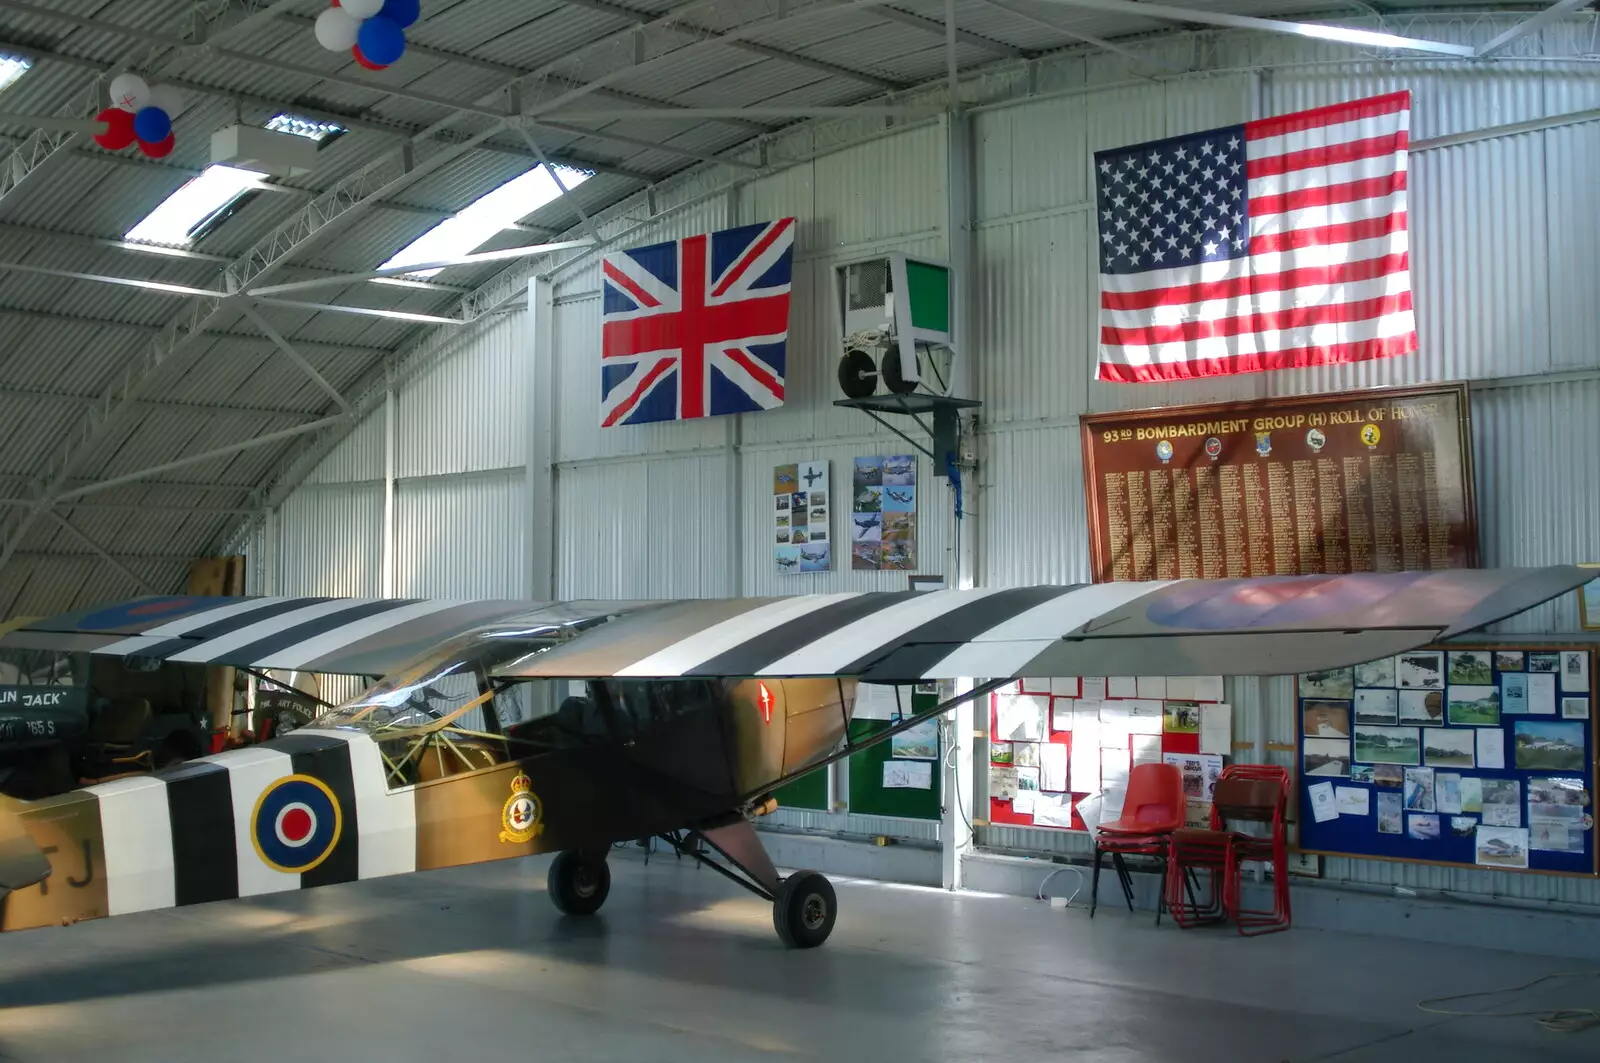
<point>343,636</point>
<point>1264,626</point>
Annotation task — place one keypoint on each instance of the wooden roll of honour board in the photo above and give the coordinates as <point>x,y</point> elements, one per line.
<point>1365,481</point>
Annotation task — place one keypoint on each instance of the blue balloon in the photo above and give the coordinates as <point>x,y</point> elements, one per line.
<point>381,40</point>
<point>152,125</point>
<point>401,12</point>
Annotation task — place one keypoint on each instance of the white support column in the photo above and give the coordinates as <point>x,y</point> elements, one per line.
<point>960,780</point>
<point>541,428</point>
<point>386,552</point>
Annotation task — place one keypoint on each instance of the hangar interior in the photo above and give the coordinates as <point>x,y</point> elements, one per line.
<point>196,364</point>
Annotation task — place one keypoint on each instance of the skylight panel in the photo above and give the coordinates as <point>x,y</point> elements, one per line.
<point>12,67</point>
<point>309,128</point>
<point>183,216</point>
<point>491,213</point>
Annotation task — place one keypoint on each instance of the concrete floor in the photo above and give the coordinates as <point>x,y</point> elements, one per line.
<point>475,965</point>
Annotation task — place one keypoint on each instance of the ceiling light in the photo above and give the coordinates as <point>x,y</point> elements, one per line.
<point>309,128</point>
<point>191,211</point>
<point>491,213</point>
<point>11,68</point>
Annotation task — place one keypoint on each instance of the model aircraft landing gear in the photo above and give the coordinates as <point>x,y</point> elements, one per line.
<point>579,882</point>
<point>804,910</point>
<point>803,905</point>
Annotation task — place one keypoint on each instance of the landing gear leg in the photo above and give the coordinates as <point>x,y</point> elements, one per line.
<point>803,905</point>
<point>579,882</point>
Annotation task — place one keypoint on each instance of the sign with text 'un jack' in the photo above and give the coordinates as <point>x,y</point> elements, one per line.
<point>1274,244</point>
<point>696,327</point>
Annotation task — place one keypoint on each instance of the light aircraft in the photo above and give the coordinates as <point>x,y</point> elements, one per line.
<point>504,728</point>
<point>788,562</point>
<point>812,476</point>
<point>899,468</point>
<point>820,555</point>
<point>872,521</point>
<point>901,497</point>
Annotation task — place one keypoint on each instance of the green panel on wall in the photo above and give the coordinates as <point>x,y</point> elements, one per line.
<point>808,791</point>
<point>867,793</point>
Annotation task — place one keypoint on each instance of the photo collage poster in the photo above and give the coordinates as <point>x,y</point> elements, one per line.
<point>1471,756</point>
<point>883,517</point>
<point>1062,750</point>
<point>800,506</point>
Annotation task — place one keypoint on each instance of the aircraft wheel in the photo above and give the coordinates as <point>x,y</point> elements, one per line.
<point>578,884</point>
<point>804,912</point>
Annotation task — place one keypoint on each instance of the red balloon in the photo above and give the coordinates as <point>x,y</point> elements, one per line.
<point>355,50</point>
<point>119,129</point>
<point>160,149</point>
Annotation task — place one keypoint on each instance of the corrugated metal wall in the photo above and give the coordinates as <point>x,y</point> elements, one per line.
<point>1504,255</point>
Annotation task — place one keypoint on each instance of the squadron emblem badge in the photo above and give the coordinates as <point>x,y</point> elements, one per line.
<point>522,816</point>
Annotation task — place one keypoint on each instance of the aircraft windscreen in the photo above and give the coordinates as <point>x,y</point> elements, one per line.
<point>450,686</point>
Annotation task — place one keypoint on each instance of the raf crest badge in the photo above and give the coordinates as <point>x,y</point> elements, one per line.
<point>522,817</point>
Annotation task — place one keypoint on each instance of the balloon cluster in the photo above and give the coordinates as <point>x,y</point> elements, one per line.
<point>374,31</point>
<point>140,112</point>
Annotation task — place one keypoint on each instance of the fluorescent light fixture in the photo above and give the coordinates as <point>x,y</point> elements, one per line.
<point>182,216</point>
<point>12,67</point>
<point>491,213</point>
<point>309,128</point>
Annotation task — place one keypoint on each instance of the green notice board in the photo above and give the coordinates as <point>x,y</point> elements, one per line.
<point>868,795</point>
<point>808,791</point>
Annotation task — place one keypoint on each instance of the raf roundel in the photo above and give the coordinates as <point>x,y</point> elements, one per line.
<point>296,824</point>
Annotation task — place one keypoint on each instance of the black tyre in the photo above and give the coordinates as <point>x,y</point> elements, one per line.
<point>858,376</point>
<point>893,379</point>
<point>804,912</point>
<point>578,884</point>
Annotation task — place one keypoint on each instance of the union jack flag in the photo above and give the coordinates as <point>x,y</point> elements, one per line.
<point>696,327</point>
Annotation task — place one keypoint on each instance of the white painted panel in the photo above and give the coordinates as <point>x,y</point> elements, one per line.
<point>650,528</point>
<point>1032,518</point>
<point>359,456</point>
<point>462,536</point>
<point>331,539</point>
<point>136,828</point>
<point>469,412</point>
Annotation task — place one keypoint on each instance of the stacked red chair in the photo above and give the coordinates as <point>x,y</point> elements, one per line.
<point>1246,793</point>
<point>1151,812</point>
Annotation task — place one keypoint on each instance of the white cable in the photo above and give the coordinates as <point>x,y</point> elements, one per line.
<point>1039,893</point>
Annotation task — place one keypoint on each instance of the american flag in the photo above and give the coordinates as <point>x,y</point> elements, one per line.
<point>696,327</point>
<point>1274,244</point>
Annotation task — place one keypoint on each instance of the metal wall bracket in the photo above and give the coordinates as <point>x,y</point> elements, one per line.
<point>945,432</point>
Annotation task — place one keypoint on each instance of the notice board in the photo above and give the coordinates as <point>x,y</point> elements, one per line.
<point>885,779</point>
<point>1477,756</point>
<point>1095,729</point>
<point>1363,481</point>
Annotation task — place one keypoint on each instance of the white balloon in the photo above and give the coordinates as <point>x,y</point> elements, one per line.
<point>167,98</point>
<point>130,92</point>
<point>361,8</point>
<point>336,29</point>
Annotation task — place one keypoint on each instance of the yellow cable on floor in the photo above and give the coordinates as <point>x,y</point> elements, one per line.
<point>1565,1020</point>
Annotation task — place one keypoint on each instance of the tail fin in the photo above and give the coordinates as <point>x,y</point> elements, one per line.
<point>21,862</point>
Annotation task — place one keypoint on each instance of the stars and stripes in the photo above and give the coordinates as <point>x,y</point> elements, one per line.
<point>1274,244</point>
<point>696,327</point>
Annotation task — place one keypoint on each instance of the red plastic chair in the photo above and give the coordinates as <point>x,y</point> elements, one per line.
<point>1153,809</point>
<point>1244,792</point>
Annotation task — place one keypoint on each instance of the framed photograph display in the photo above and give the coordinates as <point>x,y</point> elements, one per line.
<point>1471,755</point>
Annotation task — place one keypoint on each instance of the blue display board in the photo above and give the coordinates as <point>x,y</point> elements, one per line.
<point>1478,756</point>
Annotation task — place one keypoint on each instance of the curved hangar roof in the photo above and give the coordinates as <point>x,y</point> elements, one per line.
<point>141,415</point>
